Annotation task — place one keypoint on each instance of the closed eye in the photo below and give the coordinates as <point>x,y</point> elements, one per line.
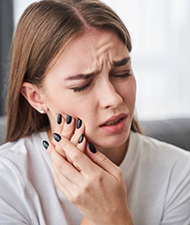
<point>82,88</point>
<point>122,75</point>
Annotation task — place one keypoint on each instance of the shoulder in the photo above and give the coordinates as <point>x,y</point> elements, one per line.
<point>161,161</point>
<point>22,145</point>
<point>16,156</point>
<point>157,150</point>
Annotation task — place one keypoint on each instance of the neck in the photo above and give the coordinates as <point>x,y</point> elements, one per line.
<point>116,154</point>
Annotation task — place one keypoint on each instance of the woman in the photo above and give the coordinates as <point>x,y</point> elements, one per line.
<point>72,88</point>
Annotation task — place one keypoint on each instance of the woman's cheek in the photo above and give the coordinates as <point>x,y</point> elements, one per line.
<point>79,108</point>
<point>129,92</point>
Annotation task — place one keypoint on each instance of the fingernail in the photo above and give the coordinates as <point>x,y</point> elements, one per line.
<point>81,138</point>
<point>45,144</point>
<point>68,119</point>
<point>79,123</point>
<point>57,137</point>
<point>92,148</point>
<point>59,119</point>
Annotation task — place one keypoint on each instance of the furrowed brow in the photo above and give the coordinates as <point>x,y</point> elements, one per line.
<point>82,76</point>
<point>121,62</point>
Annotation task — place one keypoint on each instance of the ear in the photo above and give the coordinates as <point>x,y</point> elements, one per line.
<point>34,96</point>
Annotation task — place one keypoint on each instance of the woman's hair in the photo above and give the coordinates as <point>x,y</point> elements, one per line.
<point>43,31</point>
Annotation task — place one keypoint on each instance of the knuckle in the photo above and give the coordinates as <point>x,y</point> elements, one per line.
<point>76,156</point>
<point>64,144</point>
<point>102,158</point>
<point>79,196</point>
<point>71,198</point>
<point>119,174</point>
<point>59,168</point>
<point>58,148</point>
<point>86,187</point>
<point>97,178</point>
<point>67,132</point>
<point>75,199</point>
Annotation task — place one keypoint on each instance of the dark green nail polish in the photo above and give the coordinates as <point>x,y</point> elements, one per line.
<point>59,119</point>
<point>45,144</point>
<point>57,137</point>
<point>92,148</point>
<point>79,123</point>
<point>81,138</point>
<point>68,119</point>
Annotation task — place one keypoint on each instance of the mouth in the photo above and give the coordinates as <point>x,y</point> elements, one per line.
<point>114,120</point>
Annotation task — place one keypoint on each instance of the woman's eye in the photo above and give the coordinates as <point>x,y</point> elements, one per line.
<point>82,88</point>
<point>123,75</point>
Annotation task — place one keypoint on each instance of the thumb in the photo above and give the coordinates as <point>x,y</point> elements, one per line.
<point>102,161</point>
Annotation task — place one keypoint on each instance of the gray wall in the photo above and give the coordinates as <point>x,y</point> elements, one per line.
<point>6,31</point>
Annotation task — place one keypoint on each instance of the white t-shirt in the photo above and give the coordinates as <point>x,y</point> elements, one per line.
<point>157,177</point>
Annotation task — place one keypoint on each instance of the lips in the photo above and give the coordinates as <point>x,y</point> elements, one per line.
<point>110,123</point>
<point>114,120</point>
<point>115,124</point>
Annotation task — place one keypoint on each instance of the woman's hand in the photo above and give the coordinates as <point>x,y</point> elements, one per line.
<point>87,178</point>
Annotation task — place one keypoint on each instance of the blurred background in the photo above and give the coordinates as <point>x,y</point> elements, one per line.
<point>160,32</point>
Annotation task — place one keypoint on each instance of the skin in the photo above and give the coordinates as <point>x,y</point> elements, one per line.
<point>86,179</point>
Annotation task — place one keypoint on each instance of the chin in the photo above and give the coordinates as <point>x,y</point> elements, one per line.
<point>112,141</point>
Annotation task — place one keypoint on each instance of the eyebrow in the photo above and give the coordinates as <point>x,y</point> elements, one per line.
<point>82,76</point>
<point>86,76</point>
<point>121,62</point>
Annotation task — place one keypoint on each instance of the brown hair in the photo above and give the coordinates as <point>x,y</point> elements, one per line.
<point>44,29</point>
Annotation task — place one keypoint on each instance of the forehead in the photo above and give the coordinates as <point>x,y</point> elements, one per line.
<point>95,40</point>
<point>89,50</point>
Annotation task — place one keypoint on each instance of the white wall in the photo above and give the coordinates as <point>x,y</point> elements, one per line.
<point>19,7</point>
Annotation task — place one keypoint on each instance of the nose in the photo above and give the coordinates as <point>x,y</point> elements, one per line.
<point>109,97</point>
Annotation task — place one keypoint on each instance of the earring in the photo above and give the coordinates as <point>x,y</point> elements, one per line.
<point>41,111</point>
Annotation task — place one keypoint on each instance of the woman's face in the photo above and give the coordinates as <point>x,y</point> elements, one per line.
<point>93,80</point>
